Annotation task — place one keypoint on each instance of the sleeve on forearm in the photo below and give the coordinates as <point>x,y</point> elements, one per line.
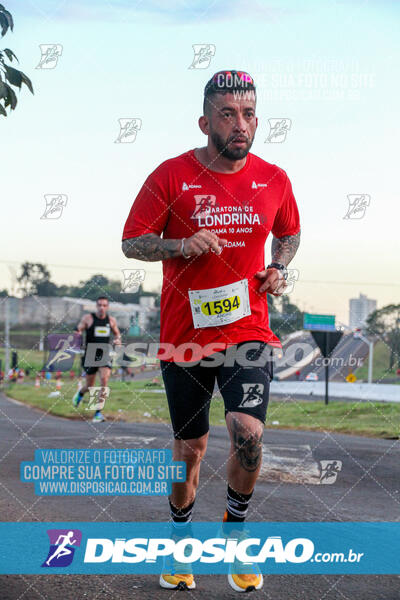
<point>150,210</point>
<point>287,220</point>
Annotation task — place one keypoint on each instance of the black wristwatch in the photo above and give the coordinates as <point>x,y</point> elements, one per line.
<point>281,267</point>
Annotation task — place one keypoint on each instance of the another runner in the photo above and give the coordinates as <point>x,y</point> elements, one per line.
<point>98,327</point>
<point>207,214</point>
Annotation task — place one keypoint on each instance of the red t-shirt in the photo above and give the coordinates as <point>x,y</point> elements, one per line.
<point>182,196</point>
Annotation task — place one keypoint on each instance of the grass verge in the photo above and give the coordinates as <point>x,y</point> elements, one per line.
<point>380,370</point>
<point>138,402</point>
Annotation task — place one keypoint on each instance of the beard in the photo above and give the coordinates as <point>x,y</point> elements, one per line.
<point>230,153</point>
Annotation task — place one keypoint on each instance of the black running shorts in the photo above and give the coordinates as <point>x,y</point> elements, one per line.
<point>243,380</point>
<point>92,370</point>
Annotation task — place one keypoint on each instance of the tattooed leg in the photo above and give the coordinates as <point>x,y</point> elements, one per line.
<point>246,451</point>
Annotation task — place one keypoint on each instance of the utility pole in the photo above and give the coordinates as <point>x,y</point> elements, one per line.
<point>371,355</point>
<point>326,354</point>
<point>370,361</point>
<point>6,340</point>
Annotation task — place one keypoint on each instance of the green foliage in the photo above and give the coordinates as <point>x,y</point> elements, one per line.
<point>35,279</point>
<point>385,323</point>
<point>287,318</point>
<point>136,403</point>
<point>381,371</point>
<point>32,276</point>
<point>9,76</point>
<point>99,285</point>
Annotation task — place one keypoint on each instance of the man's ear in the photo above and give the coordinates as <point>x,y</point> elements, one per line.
<point>256,122</point>
<point>204,125</point>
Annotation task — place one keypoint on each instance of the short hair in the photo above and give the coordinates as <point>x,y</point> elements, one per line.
<point>226,82</point>
<point>102,298</point>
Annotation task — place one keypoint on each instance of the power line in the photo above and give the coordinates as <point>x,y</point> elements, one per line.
<point>115,270</point>
<point>79,267</point>
<point>348,282</point>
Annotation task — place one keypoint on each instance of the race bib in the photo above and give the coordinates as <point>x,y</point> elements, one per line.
<point>220,305</point>
<point>102,331</point>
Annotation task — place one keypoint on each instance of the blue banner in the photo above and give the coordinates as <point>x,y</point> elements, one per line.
<point>212,547</point>
<point>88,472</point>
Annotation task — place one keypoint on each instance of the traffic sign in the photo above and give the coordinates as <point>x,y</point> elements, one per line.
<point>319,322</point>
<point>351,378</point>
<point>327,342</point>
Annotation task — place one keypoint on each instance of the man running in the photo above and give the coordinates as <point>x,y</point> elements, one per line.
<point>207,214</point>
<point>98,327</point>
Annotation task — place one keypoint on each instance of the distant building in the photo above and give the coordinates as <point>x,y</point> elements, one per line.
<point>359,310</point>
<point>53,311</point>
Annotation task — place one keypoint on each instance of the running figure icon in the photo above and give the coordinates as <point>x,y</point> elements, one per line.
<point>62,549</point>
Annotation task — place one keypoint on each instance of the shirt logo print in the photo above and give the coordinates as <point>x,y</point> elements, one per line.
<point>204,203</point>
<point>186,187</point>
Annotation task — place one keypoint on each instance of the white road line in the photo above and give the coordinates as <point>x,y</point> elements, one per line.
<point>131,440</point>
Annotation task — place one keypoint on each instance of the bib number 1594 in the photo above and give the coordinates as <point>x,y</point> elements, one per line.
<point>221,305</point>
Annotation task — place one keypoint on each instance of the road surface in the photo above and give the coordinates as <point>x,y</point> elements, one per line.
<point>346,357</point>
<point>367,489</point>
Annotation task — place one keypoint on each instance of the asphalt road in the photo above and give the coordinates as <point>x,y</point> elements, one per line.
<point>367,489</point>
<point>348,350</point>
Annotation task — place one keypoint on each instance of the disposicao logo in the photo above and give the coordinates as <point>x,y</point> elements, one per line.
<point>213,550</point>
<point>62,547</point>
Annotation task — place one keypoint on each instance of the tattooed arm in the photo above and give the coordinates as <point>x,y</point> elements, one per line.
<point>284,248</point>
<point>151,247</point>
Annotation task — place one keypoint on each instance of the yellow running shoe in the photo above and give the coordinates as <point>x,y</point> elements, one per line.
<point>184,581</point>
<point>172,580</point>
<point>176,575</point>
<point>243,582</point>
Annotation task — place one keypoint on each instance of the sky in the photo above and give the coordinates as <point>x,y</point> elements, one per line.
<point>330,68</point>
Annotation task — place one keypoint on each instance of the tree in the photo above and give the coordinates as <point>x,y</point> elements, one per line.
<point>8,75</point>
<point>34,277</point>
<point>385,323</point>
<point>286,320</point>
<point>47,288</point>
<point>99,285</point>
<point>95,286</point>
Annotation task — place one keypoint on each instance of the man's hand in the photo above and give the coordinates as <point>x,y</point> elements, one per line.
<point>203,241</point>
<point>117,334</point>
<point>273,281</point>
